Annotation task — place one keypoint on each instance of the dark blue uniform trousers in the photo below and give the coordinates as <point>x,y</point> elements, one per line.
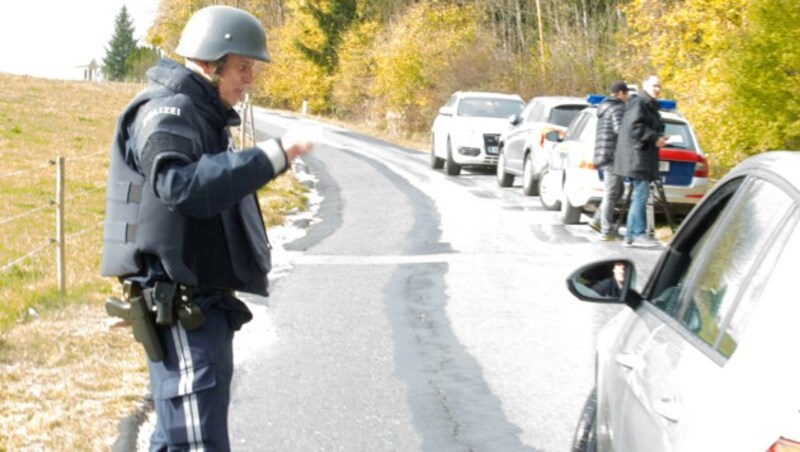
<point>191,386</point>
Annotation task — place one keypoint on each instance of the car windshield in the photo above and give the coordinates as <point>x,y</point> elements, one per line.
<point>678,136</point>
<point>486,107</point>
<point>563,114</point>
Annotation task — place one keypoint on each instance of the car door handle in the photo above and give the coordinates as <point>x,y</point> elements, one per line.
<point>669,408</point>
<point>630,361</point>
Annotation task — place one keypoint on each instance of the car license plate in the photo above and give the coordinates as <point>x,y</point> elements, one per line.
<point>663,166</point>
<point>491,149</point>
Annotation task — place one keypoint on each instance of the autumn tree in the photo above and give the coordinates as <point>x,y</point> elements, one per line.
<point>140,60</point>
<point>731,64</point>
<point>765,77</point>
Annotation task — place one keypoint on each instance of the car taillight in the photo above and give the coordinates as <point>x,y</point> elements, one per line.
<point>785,445</point>
<point>701,167</point>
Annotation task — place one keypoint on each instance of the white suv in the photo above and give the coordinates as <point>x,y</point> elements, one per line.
<point>575,185</point>
<point>466,131</point>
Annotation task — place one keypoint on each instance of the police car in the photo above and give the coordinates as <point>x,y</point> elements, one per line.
<point>465,133</point>
<point>574,185</point>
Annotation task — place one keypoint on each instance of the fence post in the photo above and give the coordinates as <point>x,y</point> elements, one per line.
<point>60,225</point>
<point>252,122</point>
<point>243,126</point>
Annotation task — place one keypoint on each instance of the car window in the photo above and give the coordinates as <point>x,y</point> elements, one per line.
<point>563,114</point>
<point>536,113</point>
<point>712,272</point>
<point>576,128</point>
<point>678,136</point>
<point>759,282</point>
<point>485,107</point>
<point>589,129</point>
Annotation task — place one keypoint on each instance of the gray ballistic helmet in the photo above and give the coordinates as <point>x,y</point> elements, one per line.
<point>216,31</point>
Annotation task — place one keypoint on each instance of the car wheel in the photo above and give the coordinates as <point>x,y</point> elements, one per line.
<point>503,178</point>
<point>584,439</point>
<point>569,213</point>
<point>450,166</point>
<point>550,190</point>
<point>530,186</point>
<point>436,162</point>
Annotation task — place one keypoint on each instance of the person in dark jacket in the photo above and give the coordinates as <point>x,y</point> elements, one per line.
<point>183,226</point>
<point>609,120</point>
<point>636,157</point>
<point>612,286</point>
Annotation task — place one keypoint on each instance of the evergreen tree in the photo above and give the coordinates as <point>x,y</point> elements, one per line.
<point>120,47</point>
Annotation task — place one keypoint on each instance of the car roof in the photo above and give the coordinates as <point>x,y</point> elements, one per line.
<point>781,164</point>
<point>559,100</point>
<point>672,116</point>
<point>463,94</point>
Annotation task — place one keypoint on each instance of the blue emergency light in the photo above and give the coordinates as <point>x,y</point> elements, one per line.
<point>667,104</point>
<point>663,104</point>
<point>594,99</point>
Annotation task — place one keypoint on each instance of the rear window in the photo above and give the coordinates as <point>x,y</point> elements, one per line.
<point>489,108</point>
<point>563,114</point>
<point>679,136</point>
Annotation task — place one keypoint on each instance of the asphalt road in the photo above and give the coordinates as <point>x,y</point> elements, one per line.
<point>419,312</point>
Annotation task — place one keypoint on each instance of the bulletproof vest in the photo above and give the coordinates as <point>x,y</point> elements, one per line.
<point>196,252</point>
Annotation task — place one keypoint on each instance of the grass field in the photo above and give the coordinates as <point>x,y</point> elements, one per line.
<point>65,379</point>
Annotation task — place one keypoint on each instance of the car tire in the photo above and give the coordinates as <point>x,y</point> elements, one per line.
<point>569,213</point>
<point>530,186</point>
<point>585,439</point>
<point>549,194</point>
<point>503,178</point>
<point>450,166</point>
<point>436,162</point>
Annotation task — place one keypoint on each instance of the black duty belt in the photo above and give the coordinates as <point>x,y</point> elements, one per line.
<point>172,302</point>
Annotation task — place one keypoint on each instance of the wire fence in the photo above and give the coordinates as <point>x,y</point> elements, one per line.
<point>39,219</point>
<point>43,212</point>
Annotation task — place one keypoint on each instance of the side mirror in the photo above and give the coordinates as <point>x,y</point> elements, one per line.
<point>553,136</point>
<point>446,111</point>
<point>514,119</point>
<point>607,281</point>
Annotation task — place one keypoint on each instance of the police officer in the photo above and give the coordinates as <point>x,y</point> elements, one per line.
<point>183,228</point>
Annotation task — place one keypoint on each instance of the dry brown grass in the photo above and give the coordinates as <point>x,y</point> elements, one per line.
<point>66,381</point>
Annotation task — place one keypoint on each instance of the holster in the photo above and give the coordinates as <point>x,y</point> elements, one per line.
<point>174,303</point>
<point>135,310</point>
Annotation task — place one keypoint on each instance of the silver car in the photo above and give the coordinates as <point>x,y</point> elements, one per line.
<point>706,356</point>
<point>522,146</point>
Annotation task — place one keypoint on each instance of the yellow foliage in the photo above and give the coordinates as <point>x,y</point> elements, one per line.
<point>290,78</point>
<point>353,78</point>
<point>417,54</point>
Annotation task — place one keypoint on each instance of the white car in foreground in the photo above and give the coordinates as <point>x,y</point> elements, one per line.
<point>467,129</point>
<point>704,357</point>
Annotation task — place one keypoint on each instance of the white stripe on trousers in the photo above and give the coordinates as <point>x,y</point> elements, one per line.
<point>185,386</point>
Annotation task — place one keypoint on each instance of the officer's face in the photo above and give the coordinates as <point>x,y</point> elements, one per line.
<point>235,78</point>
